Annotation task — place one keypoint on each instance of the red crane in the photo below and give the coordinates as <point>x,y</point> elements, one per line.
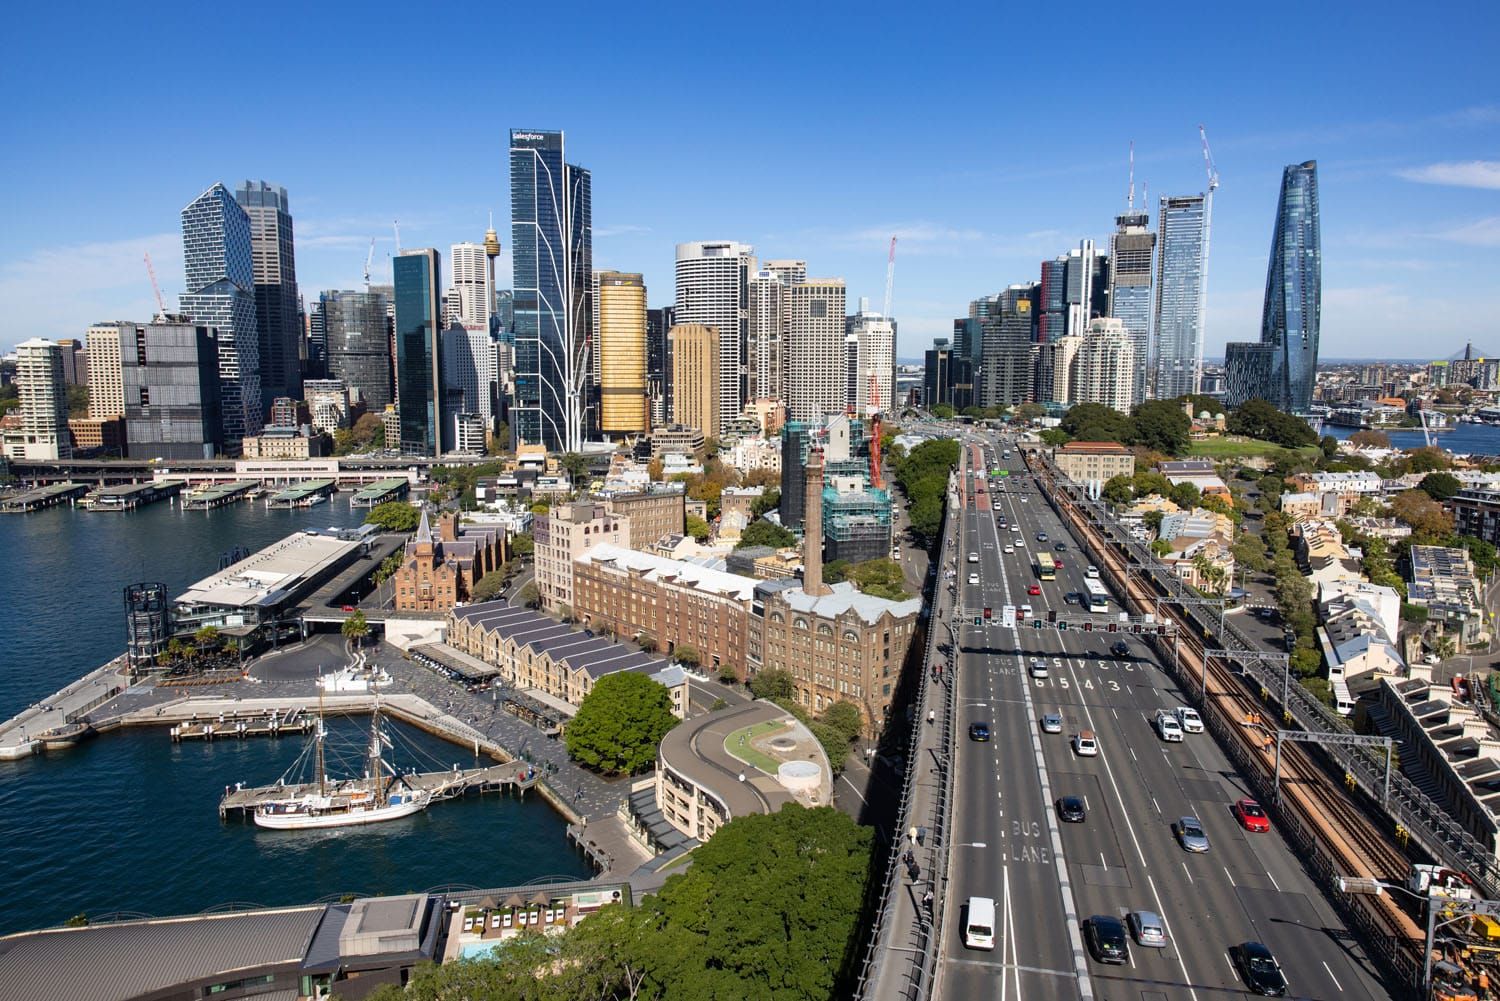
<point>874,432</point>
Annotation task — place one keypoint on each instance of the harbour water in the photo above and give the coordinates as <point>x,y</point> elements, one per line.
<point>129,821</point>
<point>1464,439</point>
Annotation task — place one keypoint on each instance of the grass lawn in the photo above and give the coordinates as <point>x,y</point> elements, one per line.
<point>738,744</point>
<point>1232,448</point>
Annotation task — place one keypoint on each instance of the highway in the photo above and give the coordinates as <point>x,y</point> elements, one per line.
<point>1044,875</point>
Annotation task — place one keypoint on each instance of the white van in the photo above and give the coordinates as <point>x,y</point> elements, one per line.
<point>979,926</point>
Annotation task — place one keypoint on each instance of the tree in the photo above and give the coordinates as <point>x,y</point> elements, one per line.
<point>355,628</point>
<point>1153,520</point>
<point>685,653</point>
<point>1117,490</point>
<point>773,685</point>
<point>523,545</point>
<point>654,469</point>
<point>770,500</point>
<point>489,586</point>
<point>620,724</point>
<point>528,596</point>
<point>1030,411</point>
<point>1161,547</point>
<point>541,507</point>
<point>394,516</point>
<point>942,412</point>
<point>1096,422</point>
<point>1260,420</point>
<point>844,716</point>
<point>727,674</point>
<point>1440,486</point>
<point>696,527</point>
<point>880,577</point>
<point>765,533</point>
<point>1161,425</point>
<point>1185,494</point>
<point>835,571</point>
<point>973,413</point>
<point>78,401</point>
<point>1054,437</point>
<point>1370,439</point>
<point>1425,515</point>
<point>576,466</point>
<point>1330,446</point>
<point>206,638</point>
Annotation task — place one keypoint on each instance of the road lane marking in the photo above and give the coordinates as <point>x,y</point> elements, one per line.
<point>1273,881</point>
<point>1186,872</point>
<point>1229,877</point>
<point>1332,977</point>
<point>1156,804</point>
<point>1231,964</point>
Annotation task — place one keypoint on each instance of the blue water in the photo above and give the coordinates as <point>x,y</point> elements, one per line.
<point>1464,439</point>
<point>129,821</point>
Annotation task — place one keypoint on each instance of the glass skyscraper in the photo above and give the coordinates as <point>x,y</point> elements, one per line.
<point>356,327</point>
<point>1294,290</point>
<point>1132,252</point>
<point>552,248</point>
<point>1181,271</point>
<point>276,309</point>
<point>419,385</point>
<point>219,268</point>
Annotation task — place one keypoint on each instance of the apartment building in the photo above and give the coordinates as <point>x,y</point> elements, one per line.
<point>562,535</point>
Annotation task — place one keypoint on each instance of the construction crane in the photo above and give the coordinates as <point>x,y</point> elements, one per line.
<point>874,432</point>
<point>369,258</point>
<point>890,278</point>
<point>396,225</point>
<point>161,304</point>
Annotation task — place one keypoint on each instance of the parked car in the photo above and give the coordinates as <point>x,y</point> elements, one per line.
<point>1190,835</point>
<point>979,732</point>
<point>1106,937</point>
<point>1261,972</point>
<point>1052,723</point>
<point>1251,817</point>
<point>1071,810</point>
<point>1147,929</point>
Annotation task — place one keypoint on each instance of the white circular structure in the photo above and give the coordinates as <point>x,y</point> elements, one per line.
<point>799,776</point>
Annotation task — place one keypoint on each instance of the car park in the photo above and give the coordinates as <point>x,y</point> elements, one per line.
<point>1251,817</point>
<point>1259,969</point>
<point>1038,667</point>
<point>979,731</point>
<point>1189,718</point>
<point>1052,723</point>
<point>1147,929</point>
<point>1106,938</point>
<point>1070,810</point>
<point>1167,726</point>
<point>1190,835</point>
<point>1085,745</point>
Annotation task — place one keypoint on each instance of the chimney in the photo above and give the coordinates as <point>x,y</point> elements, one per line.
<point>812,528</point>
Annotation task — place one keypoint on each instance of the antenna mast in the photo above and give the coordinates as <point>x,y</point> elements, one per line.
<point>890,278</point>
<point>1130,198</point>
<point>369,258</point>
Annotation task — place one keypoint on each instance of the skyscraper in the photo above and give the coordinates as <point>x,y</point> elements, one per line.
<point>552,252</point>
<point>1181,271</point>
<point>172,390</point>
<point>219,266</point>
<point>765,354</point>
<point>357,330</point>
<point>659,362</point>
<point>1007,370</point>
<point>276,312</point>
<point>1083,267</point>
<point>1132,252</point>
<point>1291,318</point>
<point>44,401</point>
<point>470,377</point>
<point>473,296</point>
<point>623,404</point>
<point>1056,370</point>
<point>816,356</point>
<point>712,290</point>
<point>874,359</point>
<point>695,377</point>
<point>1052,300</point>
<point>106,389</point>
<point>1105,367</point>
<point>419,380</point>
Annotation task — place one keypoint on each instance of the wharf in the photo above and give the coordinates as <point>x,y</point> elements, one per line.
<point>516,775</point>
<point>231,728</point>
<point>303,494</point>
<point>130,496</point>
<point>378,493</point>
<point>48,496</point>
<point>218,495</point>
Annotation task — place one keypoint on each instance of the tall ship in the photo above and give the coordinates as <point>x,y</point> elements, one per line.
<point>379,795</point>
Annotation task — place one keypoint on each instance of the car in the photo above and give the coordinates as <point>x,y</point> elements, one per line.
<point>1038,667</point>
<point>1010,550</point>
<point>979,732</point>
<point>1190,835</point>
<point>1085,745</point>
<point>973,557</point>
<point>1041,536</point>
<point>346,608</point>
<point>1167,727</point>
<point>1024,610</point>
<point>1052,723</point>
<point>1060,546</point>
<point>1265,614</point>
<point>973,578</point>
<point>1057,564</point>
<point>1015,528</point>
<point>1070,810</point>
<point>1106,938</point>
<point>1092,573</point>
<point>1023,498</point>
<point>1034,590</point>
<point>1147,929</point>
<point>1119,648</point>
<point>1251,817</point>
<point>1189,718</point>
<point>1261,973</point>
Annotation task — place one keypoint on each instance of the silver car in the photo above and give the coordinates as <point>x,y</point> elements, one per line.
<point>1052,723</point>
<point>1190,834</point>
<point>1147,929</point>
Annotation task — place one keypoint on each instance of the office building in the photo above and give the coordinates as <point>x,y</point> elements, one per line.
<point>328,404</point>
<point>552,252</point>
<point>1181,273</point>
<point>470,373</point>
<point>871,342</point>
<point>624,363</point>
<point>1008,368</point>
<point>937,374</point>
<point>106,388</point>
<point>796,440</point>
<point>765,344</point>
<point>75,361</point>
<point>562,535</point>
<point>1105,366</point>
<point>653,512</point>
<point>1094,461</point>
<point>968,340</point>
<point>1052,300</point>
<point>816,355</point>
<point>277,310</point>
<point>419,381</point>
<point>43,402</point>
<point>713,291</point>
<point>696,369</point>
<point>659,362</point>
<point>1291,318</point>
<point>1085,294</point>
<point>471,294</point>
<point>171,373</point>
<point>1132,253</point>
<point>1056,371</point>
<point>218,261</point>
<point>357,327</point>
<point>1249,372</point>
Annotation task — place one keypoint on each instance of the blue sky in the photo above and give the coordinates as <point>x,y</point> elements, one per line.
<point>987,137</point>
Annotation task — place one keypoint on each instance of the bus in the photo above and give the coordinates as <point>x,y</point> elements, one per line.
<point>1095,596</point>
<point>1045,568</point>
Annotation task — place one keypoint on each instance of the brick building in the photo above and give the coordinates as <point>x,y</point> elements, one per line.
<point>652,513</point>
<point>562,535</point>
<point>441,571</point>
<point>1085,461</point>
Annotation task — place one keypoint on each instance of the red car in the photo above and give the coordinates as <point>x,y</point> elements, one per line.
<point>1034,589</point>
<point>1057,564</point>
<point>1251,816</point>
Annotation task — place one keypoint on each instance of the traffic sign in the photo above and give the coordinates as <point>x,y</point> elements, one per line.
<point>987,612</point>
<point>1037,623</point>
<point>978,621</point>
<point>1062,626</point>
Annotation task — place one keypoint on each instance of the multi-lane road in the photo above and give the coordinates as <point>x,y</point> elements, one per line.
<point>1048,877</point>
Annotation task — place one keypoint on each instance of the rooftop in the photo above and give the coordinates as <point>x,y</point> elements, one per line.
<point>844,597</point>
<point>1094,448</point>
<point>574,648</point>
<point>271,574</point>
<point>660,569</point>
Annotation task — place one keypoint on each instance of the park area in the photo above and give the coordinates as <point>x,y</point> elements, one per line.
<point>740,745</point>
<point>1237,448</point>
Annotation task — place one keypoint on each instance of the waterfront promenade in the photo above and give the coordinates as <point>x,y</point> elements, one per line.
<point>19,736</point>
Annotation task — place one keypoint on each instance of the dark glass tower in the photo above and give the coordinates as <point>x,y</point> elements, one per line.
<point>355,328</point>
<point>553,269</point>
<point>276,312</point>
<point>419,386</point>
<point>1294,291</point>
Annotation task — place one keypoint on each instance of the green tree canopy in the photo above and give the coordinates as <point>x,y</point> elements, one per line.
<point>1160,425</point>
<point>523,545</point>
<point>355,628</point>
<point>764,533</point>
<point>881,577</point>
<point>1426,516</point>
<point>1370,439</point>
<point>489,586</point>
<point>774,684</point>
<point>942,412</point>
<point>768,501</point>
<point>620,723</point>
<point>835,571</point>
<point>696,527</point>
<point>1440,486</point>
<point>528,596</point>
<point>394,516</point>
<point>923,477</point>
<point>1260,420</point>
<point>1096,422</point>
<point>1429,459</point>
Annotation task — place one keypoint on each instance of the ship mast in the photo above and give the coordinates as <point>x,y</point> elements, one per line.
<point>318,742</point>
<point>377,766</point>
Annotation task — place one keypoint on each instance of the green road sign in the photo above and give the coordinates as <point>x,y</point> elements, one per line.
<point>978,621</point>
<point>1062,627</point>
<point>1036,623</point>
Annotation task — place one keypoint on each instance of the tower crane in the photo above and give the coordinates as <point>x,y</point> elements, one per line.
<point>370,257</point>
<point>874,432</point>
<point>161,305</point>
<point>396,225</point>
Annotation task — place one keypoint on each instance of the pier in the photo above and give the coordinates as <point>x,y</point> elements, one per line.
<point>303,494</point>
<point>394,488</point>
<point>132,495</point>
<point>442,785</point>
<point>35,500</point>
<point>232,727</point>
<point>218,495</point>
